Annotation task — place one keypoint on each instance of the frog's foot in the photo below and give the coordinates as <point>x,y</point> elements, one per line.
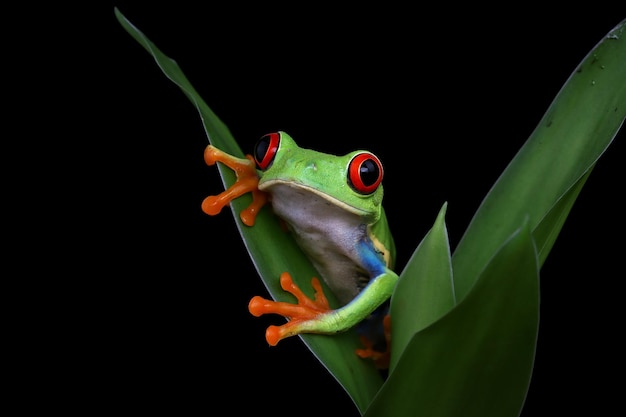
<point>381,358</point>
<point>247,181</point>
<point>304,317</point>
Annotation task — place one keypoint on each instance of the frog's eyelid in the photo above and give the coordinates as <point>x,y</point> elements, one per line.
<point>265,150</point>
<point>365,172</point>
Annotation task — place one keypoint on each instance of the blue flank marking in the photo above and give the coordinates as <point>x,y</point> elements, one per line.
<point>372,260</point>
<point>372,326</point>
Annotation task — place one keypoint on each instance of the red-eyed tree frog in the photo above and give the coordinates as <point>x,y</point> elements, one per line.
<point>333,206</point>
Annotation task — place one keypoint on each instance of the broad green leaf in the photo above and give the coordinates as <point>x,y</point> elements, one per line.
<point>425,290</point>
<point>273,256</point>
<point>476,361</point>
<point>545,177</point>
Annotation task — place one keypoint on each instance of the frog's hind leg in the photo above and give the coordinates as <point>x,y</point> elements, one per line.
<point>375,335</point>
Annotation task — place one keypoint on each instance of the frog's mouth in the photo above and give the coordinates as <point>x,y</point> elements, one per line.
<point>291,189</point>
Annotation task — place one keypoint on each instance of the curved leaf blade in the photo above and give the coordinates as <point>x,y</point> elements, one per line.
<point>425,290</point>
<point>477,360</point>
<point>272,250</point>
<point>577,128</point>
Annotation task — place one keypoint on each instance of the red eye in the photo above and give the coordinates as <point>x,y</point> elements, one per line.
<point>365,173</point>
<point>265,150</point>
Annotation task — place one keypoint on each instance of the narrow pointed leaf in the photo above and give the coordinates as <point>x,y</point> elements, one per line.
<point>272,250</point>
<point>425,290</point>
<point>577,128</point>
<point>476,361</point>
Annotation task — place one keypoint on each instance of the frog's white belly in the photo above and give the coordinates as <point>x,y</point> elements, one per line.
<point>328,234</point>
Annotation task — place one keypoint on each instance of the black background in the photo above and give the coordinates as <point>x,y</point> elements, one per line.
<point>444,99</point>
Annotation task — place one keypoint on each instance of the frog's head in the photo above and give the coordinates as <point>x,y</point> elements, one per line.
<point>352,182</point>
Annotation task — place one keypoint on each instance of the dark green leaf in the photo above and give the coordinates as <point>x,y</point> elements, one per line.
<point>476,361</point>
<point>543,180</point>
<point>425,290</point>
<point>272,250</point>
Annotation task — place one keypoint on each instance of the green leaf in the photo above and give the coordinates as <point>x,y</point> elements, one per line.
<point>480,351</point>
<point>545,177</point>
<point>273,256</point>
<point>476,361</point>
<point>425,290</point>
<point>539,187</point>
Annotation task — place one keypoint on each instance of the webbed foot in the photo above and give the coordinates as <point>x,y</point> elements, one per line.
<point>381,358</point>
<point>303,317</point>
<point>247,181</point>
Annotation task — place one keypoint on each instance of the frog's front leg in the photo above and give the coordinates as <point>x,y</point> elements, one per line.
<point>247,181</point>
<point>315,315</point>
<point>300,315</point>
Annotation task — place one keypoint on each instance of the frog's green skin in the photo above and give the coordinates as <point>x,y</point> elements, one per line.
<point>344,232</point>
<point>333,206</point>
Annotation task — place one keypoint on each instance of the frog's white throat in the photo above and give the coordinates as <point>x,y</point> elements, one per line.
<point>326,230</point>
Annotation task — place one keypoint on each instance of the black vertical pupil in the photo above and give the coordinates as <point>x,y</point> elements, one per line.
<point>368,172</point>
<point>260,150</point>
